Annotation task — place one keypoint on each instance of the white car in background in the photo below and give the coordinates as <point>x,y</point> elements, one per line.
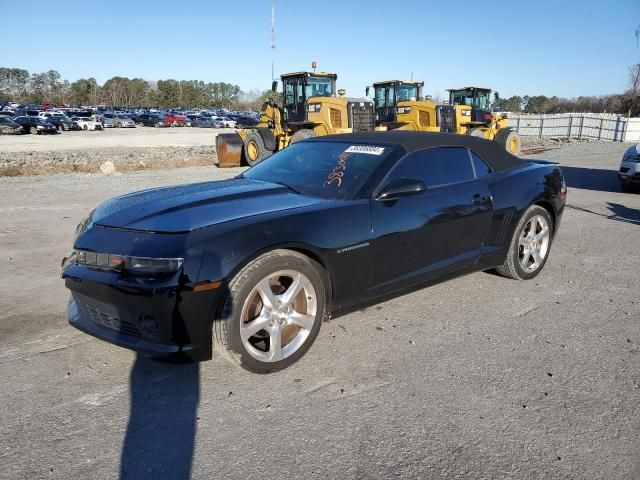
<point>226,122</point>
<point>87,123</point>
<point>629,173</point>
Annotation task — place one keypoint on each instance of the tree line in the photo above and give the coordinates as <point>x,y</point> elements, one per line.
<point>21,86</point>
<point>628,102</point>
<point>18,85</point>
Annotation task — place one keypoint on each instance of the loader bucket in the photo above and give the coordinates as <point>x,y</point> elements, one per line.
<point>229,150</point>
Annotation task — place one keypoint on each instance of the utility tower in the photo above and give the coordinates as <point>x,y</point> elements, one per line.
<point>273,39</point>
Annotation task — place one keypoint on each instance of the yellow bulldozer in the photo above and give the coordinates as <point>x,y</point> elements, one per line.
<point>400,105</point>
<point>310,108</point>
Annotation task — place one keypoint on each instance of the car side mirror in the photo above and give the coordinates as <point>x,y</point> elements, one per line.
<point>403,187</point>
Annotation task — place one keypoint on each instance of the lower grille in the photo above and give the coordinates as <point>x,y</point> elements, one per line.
<point>624,169</point>
<point>446,118</point>
<point>103,319</point>
<point>361,116</point>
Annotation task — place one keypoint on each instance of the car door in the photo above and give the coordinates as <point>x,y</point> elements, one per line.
<point>438,231</point>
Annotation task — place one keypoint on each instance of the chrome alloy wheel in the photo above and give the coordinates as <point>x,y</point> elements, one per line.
<point>533,244</point>
<point>278,315</point>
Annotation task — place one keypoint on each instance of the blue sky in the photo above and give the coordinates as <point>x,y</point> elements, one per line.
<point>562,47</point>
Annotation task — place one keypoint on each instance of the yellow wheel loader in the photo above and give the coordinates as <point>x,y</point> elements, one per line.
<point>310,108</point>
<point>467,113</point>
<point>389,94</point>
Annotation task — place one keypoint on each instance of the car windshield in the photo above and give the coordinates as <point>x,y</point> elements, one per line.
<point>5,120</point>
<point>326,169</point>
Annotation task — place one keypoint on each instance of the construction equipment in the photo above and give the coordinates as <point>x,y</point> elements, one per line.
<point>399,105</point>
<point>386,97</point>
<point>310,108</point>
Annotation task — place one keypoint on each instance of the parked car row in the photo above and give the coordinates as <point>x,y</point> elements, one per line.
<point>100,118</point>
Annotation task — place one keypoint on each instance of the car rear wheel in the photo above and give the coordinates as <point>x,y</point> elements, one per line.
<point>33,130</point>
<point>272,312</point>
<point>530,245</point>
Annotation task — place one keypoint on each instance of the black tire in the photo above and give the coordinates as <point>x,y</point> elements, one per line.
<point>512,268</point>
<point>302,134</point>
<point>84,127</point>
<point>33,130</point>
<point>254,149</point>
<point>510,140</point>
<point>226,327</point>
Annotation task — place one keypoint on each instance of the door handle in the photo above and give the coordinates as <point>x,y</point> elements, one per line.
<point>480,199</point>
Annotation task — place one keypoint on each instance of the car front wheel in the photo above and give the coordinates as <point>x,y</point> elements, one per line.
<point>272,312</point>
<point>530,245</point>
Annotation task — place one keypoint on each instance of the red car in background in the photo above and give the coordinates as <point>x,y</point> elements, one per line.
<point>174,119</point>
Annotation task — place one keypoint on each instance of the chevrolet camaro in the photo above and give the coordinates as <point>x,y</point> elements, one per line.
<point>250,267</point>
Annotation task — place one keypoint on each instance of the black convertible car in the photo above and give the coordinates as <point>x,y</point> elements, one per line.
<point>253,265</point>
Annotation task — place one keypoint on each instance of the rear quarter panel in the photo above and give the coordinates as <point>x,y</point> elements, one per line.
<point>513,191</point>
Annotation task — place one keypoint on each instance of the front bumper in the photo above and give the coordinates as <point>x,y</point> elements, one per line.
<point>11,131</point>
<point>629,173</point>
<point>154,317</point>
<point>101,321</point>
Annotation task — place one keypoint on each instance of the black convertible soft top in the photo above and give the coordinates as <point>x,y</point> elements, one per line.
<point>492,152</point>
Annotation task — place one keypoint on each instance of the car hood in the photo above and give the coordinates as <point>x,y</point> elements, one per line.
<point>185,208</point>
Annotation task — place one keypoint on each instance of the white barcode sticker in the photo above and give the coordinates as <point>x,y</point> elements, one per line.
<point>368,149</point>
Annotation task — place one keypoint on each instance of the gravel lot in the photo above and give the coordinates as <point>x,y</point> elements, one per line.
<point>127,148</point>
<point>479,377</point>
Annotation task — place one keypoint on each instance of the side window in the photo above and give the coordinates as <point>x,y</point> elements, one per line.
<point>299,91</point>
<point>482,169</point>
<point>436,166</point>
<point>391,96</point>
<point>288,93</point>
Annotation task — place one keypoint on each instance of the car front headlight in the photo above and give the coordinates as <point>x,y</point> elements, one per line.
<point>144,266</point>
<point>631,157</point>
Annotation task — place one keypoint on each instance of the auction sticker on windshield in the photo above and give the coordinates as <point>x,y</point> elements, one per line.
<point>368,149</point>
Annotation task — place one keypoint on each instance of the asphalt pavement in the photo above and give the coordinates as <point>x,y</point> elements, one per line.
<point>479,377</point>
